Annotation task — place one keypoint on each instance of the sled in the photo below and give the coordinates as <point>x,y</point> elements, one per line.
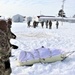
<point>41,55</point>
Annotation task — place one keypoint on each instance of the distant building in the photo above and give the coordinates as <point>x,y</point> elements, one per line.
<point>18,18</point>
<point>46,18</point>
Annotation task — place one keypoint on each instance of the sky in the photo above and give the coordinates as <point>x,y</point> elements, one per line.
<point>36,7</point>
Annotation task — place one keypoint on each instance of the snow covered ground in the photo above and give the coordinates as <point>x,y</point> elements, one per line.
<point>30,38</point>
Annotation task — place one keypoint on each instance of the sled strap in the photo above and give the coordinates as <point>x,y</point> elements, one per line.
<point>21,42</point>
<point>50,52</point>
<point>39,55</point>
<point>32,55</point>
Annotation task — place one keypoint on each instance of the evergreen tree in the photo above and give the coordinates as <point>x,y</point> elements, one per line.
<point>61,13</point>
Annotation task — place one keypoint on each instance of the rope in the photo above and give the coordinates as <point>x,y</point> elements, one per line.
<point>50,52</point>
<point>39,55</point>
<point>69,53</point>
<point>31,54</point>
<point>20,42</point>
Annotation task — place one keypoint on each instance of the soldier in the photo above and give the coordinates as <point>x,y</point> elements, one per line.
<point>28,23</point>
<point>57,23</point>
<point>50,24</point>
<point>47,24</point>
<point>42,24</point>
<point>34,24</point>
<point>5,68</point>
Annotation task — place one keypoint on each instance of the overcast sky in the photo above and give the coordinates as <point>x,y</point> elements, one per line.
<point>35,7</point>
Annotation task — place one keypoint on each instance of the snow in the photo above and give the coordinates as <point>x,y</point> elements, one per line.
<point>31,38</point>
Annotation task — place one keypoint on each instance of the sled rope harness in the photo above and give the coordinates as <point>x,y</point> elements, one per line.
<point>67,55</point>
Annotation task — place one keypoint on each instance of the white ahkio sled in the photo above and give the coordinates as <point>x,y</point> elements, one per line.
<point>43,55</point>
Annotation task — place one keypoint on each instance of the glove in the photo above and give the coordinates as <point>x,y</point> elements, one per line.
<point>14,46</point>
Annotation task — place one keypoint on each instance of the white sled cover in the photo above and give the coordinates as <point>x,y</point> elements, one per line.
<point>42,55</point>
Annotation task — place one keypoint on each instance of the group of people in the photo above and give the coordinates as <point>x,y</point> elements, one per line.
<point>35,24</point>
<point>47,23</point>
<point>5,46</point>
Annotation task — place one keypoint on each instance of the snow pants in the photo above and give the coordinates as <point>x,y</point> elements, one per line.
<point>5,67</point>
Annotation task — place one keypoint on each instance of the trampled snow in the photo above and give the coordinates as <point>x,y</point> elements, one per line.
<point>31,38</point>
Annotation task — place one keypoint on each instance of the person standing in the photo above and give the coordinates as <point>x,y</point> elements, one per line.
<point>47,24</point>
<point>42,24</point>
<point>57,24</point>
<point>28,23</point>
<point>34,24</point>
<point>50,24</point>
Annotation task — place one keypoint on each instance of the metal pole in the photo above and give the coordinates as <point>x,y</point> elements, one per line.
<point>63,4</point>
<point>63,10</point>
